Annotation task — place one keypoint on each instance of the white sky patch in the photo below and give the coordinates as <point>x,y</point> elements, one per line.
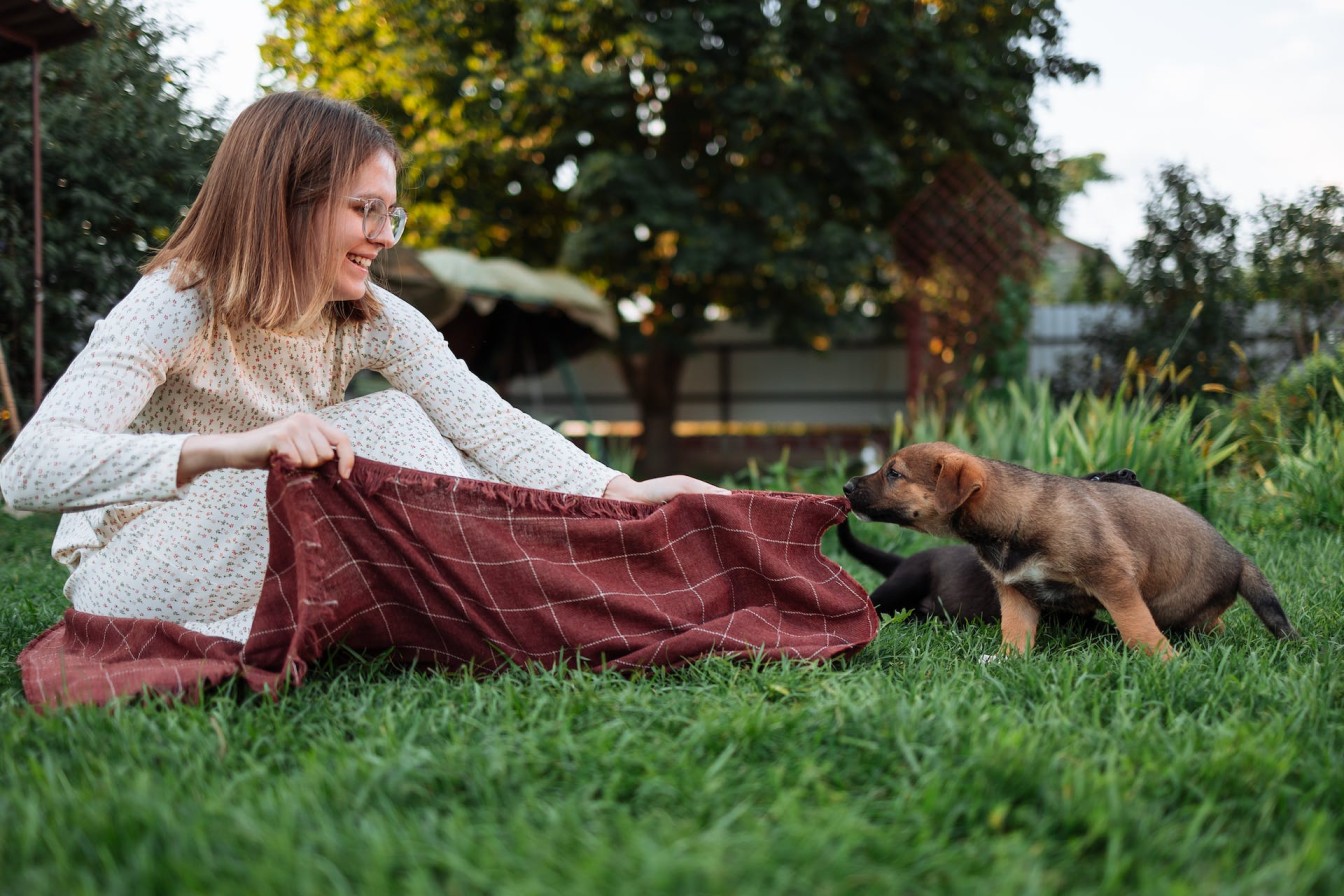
<point>1243,93</point>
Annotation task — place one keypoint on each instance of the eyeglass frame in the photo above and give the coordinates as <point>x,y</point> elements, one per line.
<point>383,218</point>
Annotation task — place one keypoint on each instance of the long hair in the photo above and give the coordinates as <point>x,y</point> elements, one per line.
<point>252,241</point>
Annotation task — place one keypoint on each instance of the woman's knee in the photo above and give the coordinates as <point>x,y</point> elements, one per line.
<point>392,427</point>
<point>386,405</point>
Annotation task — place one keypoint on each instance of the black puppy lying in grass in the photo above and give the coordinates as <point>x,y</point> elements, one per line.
<point>947,583</point>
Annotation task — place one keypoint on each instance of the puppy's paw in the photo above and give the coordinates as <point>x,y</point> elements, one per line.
<point>987,658</point>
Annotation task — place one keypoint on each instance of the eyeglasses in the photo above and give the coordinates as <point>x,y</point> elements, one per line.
<point>377,216</point>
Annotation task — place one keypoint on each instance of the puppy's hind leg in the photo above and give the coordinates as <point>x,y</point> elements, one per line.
<point>1135,622</point>
<point>1213,626</point>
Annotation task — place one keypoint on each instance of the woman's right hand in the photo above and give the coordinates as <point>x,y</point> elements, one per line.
<point>302,439</point>
<point>659,490</point>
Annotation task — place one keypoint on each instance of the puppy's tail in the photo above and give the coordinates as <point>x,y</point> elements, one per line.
<point>869,556</point>
<point>1260,595</point>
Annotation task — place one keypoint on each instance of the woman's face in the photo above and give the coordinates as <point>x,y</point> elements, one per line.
<point>352,251</point>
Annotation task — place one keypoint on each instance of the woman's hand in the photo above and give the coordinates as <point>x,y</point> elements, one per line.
<point>659,490</point>
<point>302,439</point>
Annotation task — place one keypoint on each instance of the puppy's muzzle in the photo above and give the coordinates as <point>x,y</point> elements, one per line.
<point>859,498</point>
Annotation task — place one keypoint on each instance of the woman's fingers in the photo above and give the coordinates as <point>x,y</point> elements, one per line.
<point>304,440</point>
<point>307,441</point>
<point>665,488</point>
<point>340,446</point>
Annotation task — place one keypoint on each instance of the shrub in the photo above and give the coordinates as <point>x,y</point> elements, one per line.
<point>1310,474</point>
<point>1283,412</point>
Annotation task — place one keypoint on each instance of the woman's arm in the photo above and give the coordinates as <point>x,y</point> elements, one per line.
<point>513,446</point>
<point>659,490</point>
<point>508,443</point>
<point>302,439</point>
<point>75,452</point>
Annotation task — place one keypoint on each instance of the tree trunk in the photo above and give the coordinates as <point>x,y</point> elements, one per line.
<point>654,380</point>
<point>916,338</point>
<point>11,407</point>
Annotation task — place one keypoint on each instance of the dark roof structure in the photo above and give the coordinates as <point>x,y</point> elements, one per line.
<point>41,25</point>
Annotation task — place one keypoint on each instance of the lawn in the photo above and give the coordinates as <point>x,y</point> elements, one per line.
<point>912,767</point>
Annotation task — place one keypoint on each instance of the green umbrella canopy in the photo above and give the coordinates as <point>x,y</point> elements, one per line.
<point>504,318</point>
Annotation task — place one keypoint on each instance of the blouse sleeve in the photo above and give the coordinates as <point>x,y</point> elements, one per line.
<point>513,446</point>
<point>76,453</point>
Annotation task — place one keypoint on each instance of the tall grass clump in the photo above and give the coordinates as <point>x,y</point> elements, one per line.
<point>1310,475</point>
<point>1292,430</point>
<point>1292,435</point>
<point>1175,447</point>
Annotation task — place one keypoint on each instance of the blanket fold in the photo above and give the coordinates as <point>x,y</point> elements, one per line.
<point>458,573</point>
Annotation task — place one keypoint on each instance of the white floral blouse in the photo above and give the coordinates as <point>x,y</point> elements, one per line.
<point>104,446</point>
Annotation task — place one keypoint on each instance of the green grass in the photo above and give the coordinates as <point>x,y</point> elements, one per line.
<point>911,768</point>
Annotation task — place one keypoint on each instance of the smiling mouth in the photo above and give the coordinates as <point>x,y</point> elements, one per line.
<point>364,263</point>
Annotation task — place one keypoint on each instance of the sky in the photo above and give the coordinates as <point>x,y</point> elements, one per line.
<point>1246,93</point>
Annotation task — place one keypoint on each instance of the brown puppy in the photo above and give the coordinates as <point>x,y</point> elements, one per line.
<point>1071,544</point>
<point>948,582</point>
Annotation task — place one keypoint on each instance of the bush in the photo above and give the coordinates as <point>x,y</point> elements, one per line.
<point>1283,412</point>
<point>1310,474</point>
<point>1185,278</point>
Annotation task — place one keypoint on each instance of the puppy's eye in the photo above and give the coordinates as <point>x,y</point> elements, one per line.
<point>893,475</point>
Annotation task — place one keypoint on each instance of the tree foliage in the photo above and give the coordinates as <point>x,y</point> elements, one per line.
<point>1187,298</point>
<point>1075,173</point>
<point>1298,261</point>
<point>689,154</point>
<point>123,155</point>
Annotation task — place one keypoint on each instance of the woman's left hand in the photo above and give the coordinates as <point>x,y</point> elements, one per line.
<point>659,490</point>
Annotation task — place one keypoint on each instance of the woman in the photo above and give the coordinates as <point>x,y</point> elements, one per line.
<point>236,347</point>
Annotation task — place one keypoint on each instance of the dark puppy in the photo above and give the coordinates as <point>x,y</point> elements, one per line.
<point>1053,541</point>
<point>948,583</point>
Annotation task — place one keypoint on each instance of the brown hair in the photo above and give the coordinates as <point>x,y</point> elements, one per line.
<point>248,241</point>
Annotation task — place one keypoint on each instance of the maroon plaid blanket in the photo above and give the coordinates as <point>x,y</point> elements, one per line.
<point>459,573</point>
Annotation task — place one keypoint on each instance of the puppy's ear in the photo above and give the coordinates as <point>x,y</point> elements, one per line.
<point>959,477</point>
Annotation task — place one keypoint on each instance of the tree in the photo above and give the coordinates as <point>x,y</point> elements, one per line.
<point>695,157</point>
<point>1298,259</point>
<point>123,155</point>
<point>1075,173</point>
<point>1188,296</point>
<point>1072,272</point>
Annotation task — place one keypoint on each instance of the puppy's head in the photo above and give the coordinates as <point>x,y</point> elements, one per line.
<point>921,487</point>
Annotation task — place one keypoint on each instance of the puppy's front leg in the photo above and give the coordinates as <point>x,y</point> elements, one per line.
<point>1020,618</point>
<point>1135,622</point>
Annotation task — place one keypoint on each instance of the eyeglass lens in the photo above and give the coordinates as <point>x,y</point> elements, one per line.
<point>377,216</point>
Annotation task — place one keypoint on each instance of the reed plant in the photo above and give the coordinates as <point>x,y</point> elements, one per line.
<point>1280,411</point>
<point>1174,447</point>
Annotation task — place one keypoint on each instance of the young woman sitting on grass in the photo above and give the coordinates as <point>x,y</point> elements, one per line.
<point>235,349</point>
